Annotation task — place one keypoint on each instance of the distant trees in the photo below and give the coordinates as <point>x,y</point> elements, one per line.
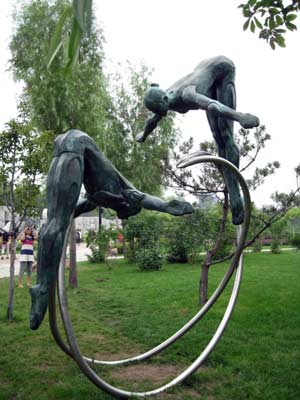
<point>21,174</point>
<point>143,165</point>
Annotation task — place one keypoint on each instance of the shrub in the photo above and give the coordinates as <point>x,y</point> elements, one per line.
<point>120,248</point>
<point>257,246</point>
<point>295,241</point>
<point>185,237</point>
<point>98,243</point>
<point>149,259</point>
<point>275,246</point>
<point>142,231</point>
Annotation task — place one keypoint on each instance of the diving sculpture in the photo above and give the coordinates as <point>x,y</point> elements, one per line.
<point>77,161</point>
<point>210,87</point>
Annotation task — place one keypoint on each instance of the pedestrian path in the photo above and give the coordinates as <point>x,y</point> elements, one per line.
<point>81,255</point>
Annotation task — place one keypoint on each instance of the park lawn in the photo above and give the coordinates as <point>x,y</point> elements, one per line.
<point>119,311</point>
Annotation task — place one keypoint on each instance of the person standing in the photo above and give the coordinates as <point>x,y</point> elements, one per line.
<point>5,245</point>
<point>27,237</point>
<point>1,244</point>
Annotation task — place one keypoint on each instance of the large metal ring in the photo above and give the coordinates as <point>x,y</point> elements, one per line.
<point>236,263</point>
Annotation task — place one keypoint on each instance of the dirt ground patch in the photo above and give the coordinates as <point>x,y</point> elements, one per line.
<point>154,376</point>
<point>143,372</point>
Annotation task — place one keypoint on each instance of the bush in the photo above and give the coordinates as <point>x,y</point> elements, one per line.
<point>257,246</point>
<point>149,259</point>
<point>185,237</point>
<point>295,241</point>
<point>142,231</point>
<point>275,246</point>
<point>120,248</point>
<point>98,243</point>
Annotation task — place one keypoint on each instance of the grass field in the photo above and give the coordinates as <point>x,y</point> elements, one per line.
<point>119,311</point>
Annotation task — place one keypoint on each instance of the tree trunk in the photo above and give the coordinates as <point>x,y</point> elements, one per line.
<point>10,304</point>
<point>73,283</point>
<point>203,284</point>
<point>203,287</point>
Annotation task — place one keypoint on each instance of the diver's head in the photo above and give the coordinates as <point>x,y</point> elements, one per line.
<point>156,100</point>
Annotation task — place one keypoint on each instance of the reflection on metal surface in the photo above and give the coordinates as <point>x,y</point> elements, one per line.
<point>73,350</point>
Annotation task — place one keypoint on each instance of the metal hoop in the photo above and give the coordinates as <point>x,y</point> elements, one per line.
<point>82,361</point>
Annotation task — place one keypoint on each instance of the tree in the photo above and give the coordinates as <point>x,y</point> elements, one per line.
<point>272,18</point>
<point>21,168</point>
<point>143,165</point>
<point>209,181</point>
<point>54,100</point>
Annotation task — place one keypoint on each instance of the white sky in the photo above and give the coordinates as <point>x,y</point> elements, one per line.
<point>173,36</point>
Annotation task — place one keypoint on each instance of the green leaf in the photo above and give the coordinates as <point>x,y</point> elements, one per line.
<point>258,24</point>
<point>279,40</point>
<point>272,44</point>
<point>291,17</point>
<point>56,41</point>
<point>280,30</point>
<point>251,2</point>
<point>246,24</point>
<point>273,10</point>
<point>246,12</point>
<point>279,20</point>
<point>291,26</point>
<point>74,45</point>
<point>83,12</point>
<point>252,26</point>
<point>272,23</point>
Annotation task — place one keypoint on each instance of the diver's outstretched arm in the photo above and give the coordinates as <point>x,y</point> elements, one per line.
<point>151,124</point>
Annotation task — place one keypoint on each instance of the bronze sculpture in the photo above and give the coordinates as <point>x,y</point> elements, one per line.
<point>209,87</point>
<point>77,160</point>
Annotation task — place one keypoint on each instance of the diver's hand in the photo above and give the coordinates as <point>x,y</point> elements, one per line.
<point>140,137</point>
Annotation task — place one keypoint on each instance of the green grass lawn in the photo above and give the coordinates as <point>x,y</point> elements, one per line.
<point>119,311</point>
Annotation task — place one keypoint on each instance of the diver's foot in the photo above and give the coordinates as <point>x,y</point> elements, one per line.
<point>237,213</point>
<point>179,207</point>
<point>248,121</point>
<point>39,304</point>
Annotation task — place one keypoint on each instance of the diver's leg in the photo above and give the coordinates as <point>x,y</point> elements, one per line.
<point>83,205</point>
<point>226,94</point>
<point>63,189</point>
<point>173,207</point>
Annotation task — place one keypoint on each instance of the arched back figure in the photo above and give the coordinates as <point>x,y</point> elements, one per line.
<point>209,87</point>
<point>77,160</point>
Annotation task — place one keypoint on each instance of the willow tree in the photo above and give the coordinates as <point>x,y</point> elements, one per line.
<point>53,99</point>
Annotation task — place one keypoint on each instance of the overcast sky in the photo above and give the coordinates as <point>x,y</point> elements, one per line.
<point>173,36</point>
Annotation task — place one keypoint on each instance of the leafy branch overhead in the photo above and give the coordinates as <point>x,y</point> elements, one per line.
<point>272,18</point>
<point>78,16</point>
